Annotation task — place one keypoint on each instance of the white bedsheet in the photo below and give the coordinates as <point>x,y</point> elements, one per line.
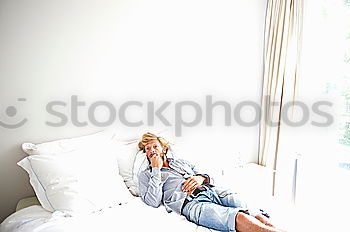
<point>134,216</point>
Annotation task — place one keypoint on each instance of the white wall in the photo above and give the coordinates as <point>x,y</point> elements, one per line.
<point>125,50</point>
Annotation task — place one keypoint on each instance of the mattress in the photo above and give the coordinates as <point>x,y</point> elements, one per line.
<point>133,216</point>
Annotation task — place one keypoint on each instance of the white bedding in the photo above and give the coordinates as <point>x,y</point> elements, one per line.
<point>133,216</point>
<point>136,216</point>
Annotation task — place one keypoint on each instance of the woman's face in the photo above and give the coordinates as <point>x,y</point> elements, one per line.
<point>154,147</point>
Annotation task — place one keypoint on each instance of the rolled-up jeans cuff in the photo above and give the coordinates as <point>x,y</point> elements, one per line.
<point>254,212</point>
<point>246,211</point>
<point>250,212</point>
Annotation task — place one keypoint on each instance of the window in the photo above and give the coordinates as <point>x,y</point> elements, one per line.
<point>324,171</point>
<point>325,71</point>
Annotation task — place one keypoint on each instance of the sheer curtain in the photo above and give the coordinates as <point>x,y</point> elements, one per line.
<point>325,72</point>
<point>283,27</point>
<point>320,71</point>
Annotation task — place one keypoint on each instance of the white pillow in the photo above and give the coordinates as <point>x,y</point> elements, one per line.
<point>62,146</point>
<point>121,142</point>
<point>140,164</point>
<point>76,182</point>
<point>126,157</point>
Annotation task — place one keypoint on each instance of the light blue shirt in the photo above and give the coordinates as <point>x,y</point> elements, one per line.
<point>164,185</point>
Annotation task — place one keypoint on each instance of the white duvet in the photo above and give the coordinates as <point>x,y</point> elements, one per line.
<point>133,216</point>
<point>137,216</point>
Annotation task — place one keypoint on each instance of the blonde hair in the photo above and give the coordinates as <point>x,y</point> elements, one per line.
<point>149,137</point>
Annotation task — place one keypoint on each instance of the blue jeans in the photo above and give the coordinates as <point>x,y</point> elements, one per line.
<point>215,209</point>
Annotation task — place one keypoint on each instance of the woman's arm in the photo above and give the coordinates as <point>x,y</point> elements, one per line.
<point>151,187</point>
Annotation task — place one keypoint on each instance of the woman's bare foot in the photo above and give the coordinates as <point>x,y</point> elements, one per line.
<point>264,220</point>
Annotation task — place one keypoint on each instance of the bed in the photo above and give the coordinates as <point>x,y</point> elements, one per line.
<point>70,199</point>
<point>133,216</point>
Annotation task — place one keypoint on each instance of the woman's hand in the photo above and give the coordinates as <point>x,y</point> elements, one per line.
<point>192,183</point>
<point>156,161</point>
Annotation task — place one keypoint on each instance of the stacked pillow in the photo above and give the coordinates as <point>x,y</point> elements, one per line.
<point>78,175</point>
<point>85,174</point>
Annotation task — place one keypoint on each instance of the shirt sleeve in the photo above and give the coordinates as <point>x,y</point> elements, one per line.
<point>208,179</point>
<point>151,187</point>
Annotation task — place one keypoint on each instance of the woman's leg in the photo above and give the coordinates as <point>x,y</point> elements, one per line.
<point>246,223</point>
<point>205,213</point>
<point>227,197</point>
<point>223,218</point>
